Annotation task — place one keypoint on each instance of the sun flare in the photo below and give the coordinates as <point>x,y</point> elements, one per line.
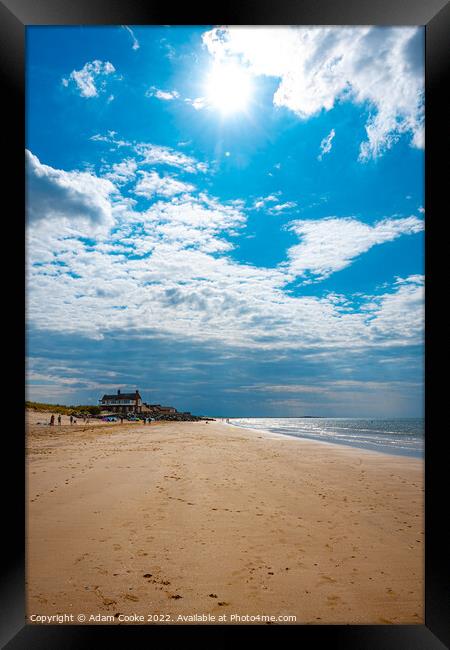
<point>228,88</point>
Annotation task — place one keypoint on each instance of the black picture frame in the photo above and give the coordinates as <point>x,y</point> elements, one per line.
<point>15,16</point>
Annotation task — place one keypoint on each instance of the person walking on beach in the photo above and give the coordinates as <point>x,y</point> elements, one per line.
<point>59,420</point>
<point>52,420</point>
<point>71,419</point>
<point>121,419</point>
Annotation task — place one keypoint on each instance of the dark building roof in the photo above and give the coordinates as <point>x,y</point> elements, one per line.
<point>124,396</point>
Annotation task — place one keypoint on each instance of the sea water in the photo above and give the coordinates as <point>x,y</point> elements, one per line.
<point>397,436</point>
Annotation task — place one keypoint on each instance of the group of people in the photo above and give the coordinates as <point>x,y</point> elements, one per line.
<point>71,419</point>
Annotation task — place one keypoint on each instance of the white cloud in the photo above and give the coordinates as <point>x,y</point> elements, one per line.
<point>381,67</point>
<point>201,212</point>
<point>153,154</point>
<point>166,271</point>
<point>326,144</point>
<point>262,201</point>
<point>180,288</point>
<point>110,137</point>
<point>280,207</point>
<point>164,95</point>
<point>198,103</point>
<point>169,95</point>
<point>90,79</point>
<point>73,196</point>
<point>400,313</point>
<point>122,172</point>
<point>327,387</point>
<point>151,183</point>
<point>135,41</point>
<point>329,245</point>
<point>183,235</point>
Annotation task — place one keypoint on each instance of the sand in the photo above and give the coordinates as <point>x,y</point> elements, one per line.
<point>208,520</point>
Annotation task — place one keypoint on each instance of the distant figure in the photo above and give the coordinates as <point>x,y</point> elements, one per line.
<point>71,419</point>
<point>121,419</point>
<point>52,420</point>
<point>59,419</point>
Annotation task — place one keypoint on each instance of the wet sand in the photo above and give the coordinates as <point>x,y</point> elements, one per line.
<point>189,519</point>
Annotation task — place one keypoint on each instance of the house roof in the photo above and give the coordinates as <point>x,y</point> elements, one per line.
<point>124,396</point>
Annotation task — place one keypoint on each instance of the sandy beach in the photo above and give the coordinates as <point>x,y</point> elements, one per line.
<point>192,518</point>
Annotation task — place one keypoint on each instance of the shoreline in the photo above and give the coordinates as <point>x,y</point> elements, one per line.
<point>277,434</point>
<point>188,518</point>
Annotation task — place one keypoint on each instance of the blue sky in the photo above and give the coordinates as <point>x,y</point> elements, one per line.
<point>229,219</point>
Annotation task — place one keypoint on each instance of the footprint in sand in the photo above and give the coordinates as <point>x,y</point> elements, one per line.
<point>131,597</point>
<point>327,578</point>
<point>101,570</point>
<point>105,599</point>
<point>332,600</point>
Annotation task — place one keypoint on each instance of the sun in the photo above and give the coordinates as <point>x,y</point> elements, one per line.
<point>228,88</point>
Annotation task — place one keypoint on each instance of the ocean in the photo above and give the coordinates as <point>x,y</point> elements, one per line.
<point>400,436</point>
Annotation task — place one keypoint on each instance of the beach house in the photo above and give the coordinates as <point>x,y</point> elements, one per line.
<point>122,402</point>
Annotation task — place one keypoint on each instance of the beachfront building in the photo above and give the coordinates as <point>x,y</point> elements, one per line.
<point>161,410</point>
<point>122,402</point>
